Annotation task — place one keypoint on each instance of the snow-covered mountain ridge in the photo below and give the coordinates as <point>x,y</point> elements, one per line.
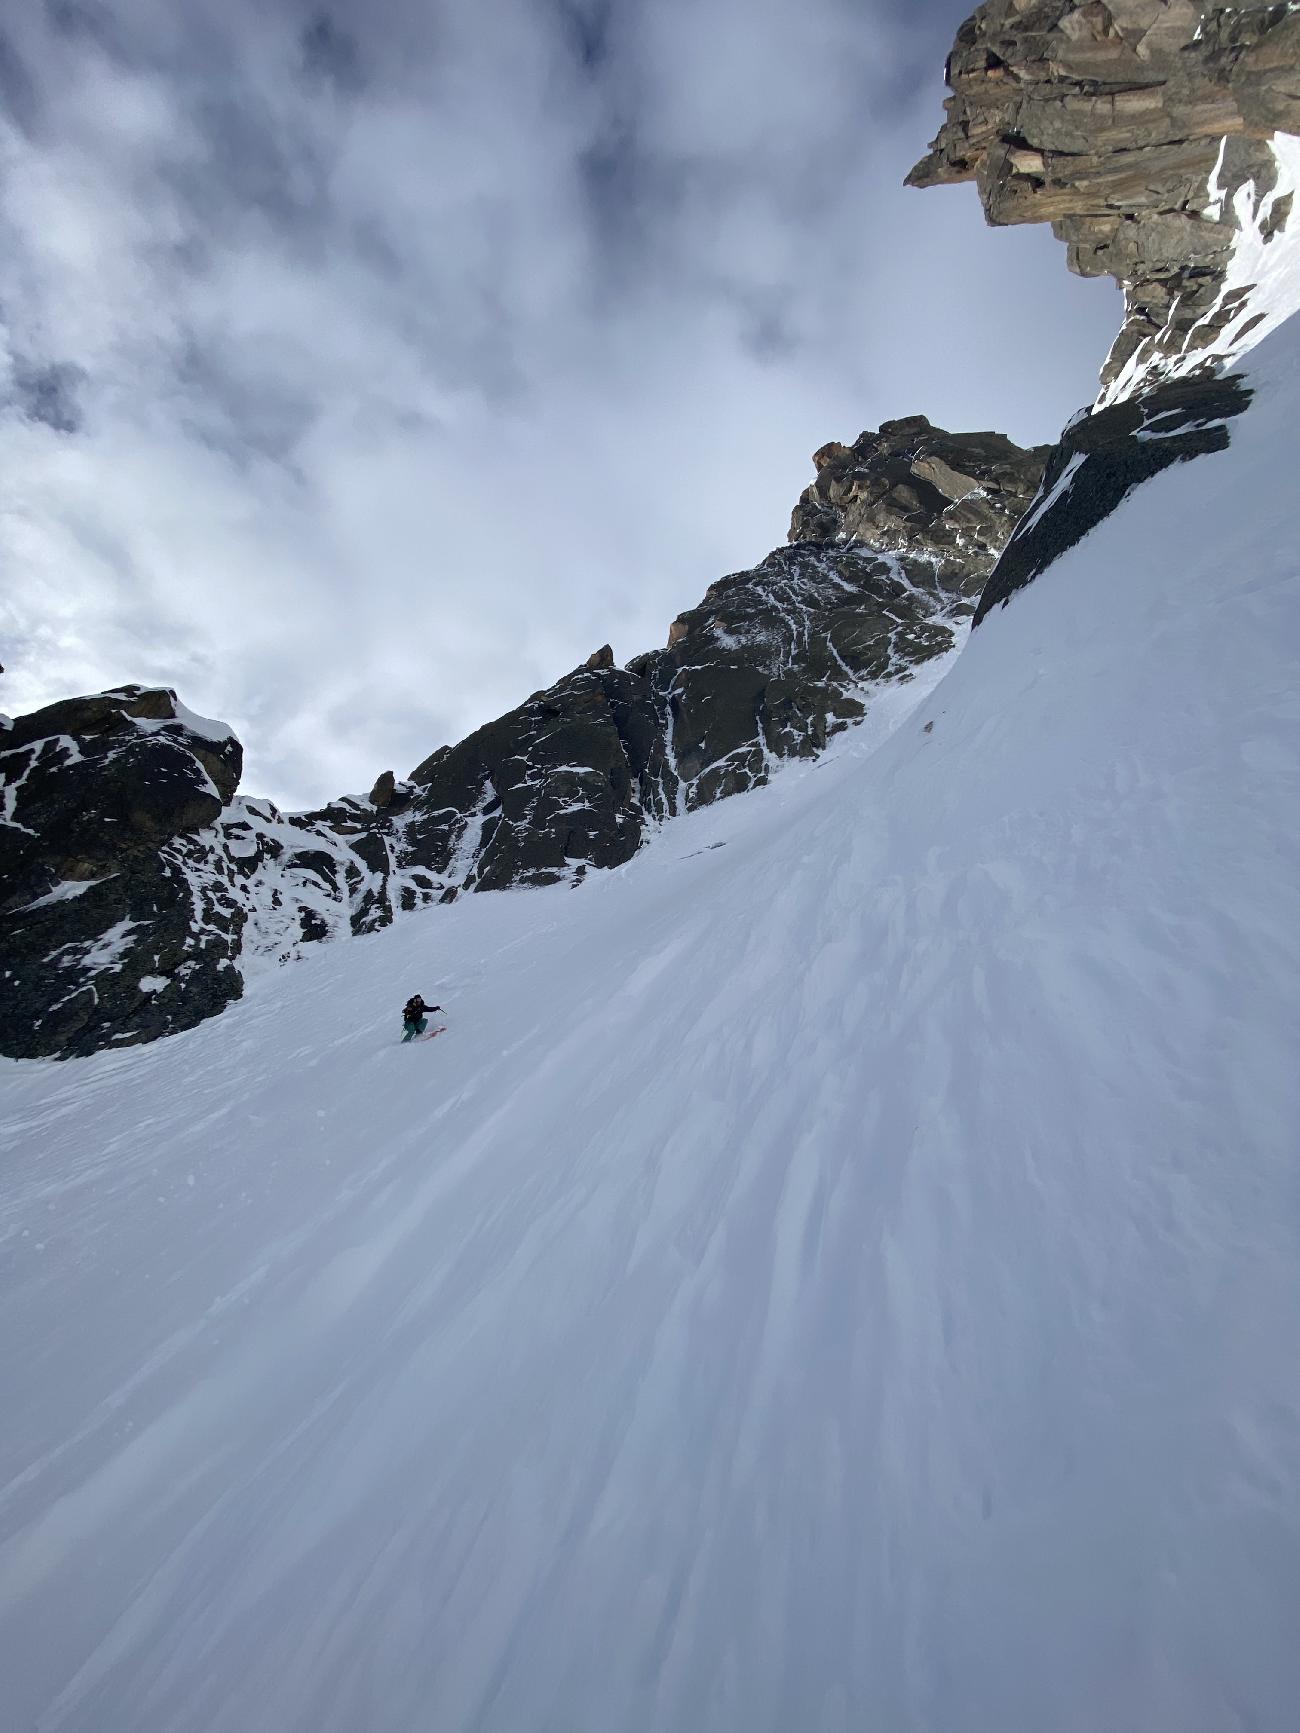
<point>1147,132</point>
<point>844,1278</point>
<point>135,904</point>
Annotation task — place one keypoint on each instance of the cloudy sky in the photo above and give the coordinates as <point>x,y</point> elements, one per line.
<point>364,365</point>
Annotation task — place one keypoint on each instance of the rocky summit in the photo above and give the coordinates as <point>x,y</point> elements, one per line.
<point>913,489</point>
<point>138,886</point>
<point>1140,130</point>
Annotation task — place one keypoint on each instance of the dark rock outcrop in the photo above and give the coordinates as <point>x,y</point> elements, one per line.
<point>911,488</point>
<point>1101,458</point>
<point>567,779</point>
<point>1110,121</point>
<point>109,930</point>
<point>139,885</point>
<point>778,659</point>
<point>889,549</point>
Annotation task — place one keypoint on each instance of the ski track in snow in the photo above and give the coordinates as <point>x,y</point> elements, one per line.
<point>849,1279</point>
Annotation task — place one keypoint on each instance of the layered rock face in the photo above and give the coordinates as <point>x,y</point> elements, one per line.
<point>1157,137</point>
<point>138,887</point>
<point>1140,129</point>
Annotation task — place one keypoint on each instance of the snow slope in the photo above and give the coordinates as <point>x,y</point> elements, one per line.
<point>846,1278</point>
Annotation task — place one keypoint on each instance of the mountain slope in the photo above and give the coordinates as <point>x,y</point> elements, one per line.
<point>135,895</point>
<point>846,1277</point>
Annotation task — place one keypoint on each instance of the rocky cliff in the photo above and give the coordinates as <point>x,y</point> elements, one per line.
<point>138,887</point>
<point>1157,137</point>
<point>111,925</point>
<point>1144,132</point>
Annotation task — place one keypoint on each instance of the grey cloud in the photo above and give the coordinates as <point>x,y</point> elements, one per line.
<point>415,349</point>
<point>588,30</point>
<point>49,392</point>
<point>18,93</point>
<point>331,54</point>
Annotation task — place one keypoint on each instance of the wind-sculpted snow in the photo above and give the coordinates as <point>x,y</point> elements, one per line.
<point>840,1271</point>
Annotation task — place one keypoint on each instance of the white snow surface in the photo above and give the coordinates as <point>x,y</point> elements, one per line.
<point>205,727</point>
<point>843,1279</point>
<point>67,890</point>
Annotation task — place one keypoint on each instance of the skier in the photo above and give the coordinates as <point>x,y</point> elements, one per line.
<point>415,1017</point>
